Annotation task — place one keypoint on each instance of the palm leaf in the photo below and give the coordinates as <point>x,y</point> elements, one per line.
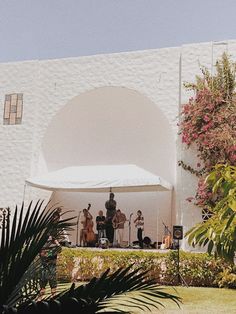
<point>120,287</point>
<point>21,241</point>
<point>124,291</point>
<point>145,300</point>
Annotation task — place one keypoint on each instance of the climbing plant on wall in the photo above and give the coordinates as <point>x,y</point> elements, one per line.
<point>207,123</point>
<point>218,233</point>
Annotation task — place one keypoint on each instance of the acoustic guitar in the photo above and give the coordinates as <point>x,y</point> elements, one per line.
<point>115,225</point>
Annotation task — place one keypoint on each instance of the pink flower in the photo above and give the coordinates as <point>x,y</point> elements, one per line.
<point>210,107</point>
<point>206,118</point>
<point>198,164</point>
<point>232,148</point>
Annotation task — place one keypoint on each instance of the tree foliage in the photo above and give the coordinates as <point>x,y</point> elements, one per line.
<point>207,122</point>
<point>219,232</point>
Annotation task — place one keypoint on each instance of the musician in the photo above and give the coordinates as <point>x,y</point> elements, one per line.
<point>87,223</point>
<point>100,221</point>
<point>139,224</point>
<point>118,222</point>
<point>110,206</point>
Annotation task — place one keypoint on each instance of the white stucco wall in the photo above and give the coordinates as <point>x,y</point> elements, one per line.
<point>50,87</point>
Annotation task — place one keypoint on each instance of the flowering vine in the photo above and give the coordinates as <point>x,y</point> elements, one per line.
<point>208,121</point>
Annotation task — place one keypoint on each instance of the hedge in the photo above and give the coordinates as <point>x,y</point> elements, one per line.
<point>197,269</point>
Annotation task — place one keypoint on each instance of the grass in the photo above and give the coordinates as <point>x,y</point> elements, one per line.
<point>195,300</point>
<point>202,300</point>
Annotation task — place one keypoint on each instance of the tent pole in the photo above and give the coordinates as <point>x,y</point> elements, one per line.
<point>157,225</point>
<point>24,193</point>
<point>77,230</point>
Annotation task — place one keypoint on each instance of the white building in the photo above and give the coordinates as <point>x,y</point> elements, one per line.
<point>105,109</point>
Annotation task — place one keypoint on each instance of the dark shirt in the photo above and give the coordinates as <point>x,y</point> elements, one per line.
<point>100,226</point>
<point>111,209</point>
<point>110,205</point>
<point>48,254</point>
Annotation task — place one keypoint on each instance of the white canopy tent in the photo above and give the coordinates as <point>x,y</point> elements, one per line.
<point>115,178</point>
<point>118,178</point>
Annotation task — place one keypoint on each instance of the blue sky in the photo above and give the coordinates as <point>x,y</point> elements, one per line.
<point>45,29</point>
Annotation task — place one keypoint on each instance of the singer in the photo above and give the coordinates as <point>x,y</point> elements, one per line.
<point>139,224</point>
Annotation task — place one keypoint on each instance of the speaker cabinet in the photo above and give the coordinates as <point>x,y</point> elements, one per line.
<point>177,232</point>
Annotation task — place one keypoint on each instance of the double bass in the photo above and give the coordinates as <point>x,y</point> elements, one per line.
<point>90,235</point>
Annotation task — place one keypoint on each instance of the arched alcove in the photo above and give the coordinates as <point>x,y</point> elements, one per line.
<point>114,125</point>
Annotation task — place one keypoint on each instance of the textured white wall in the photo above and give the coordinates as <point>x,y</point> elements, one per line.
<point>17,141</point>
<point>50,86</point>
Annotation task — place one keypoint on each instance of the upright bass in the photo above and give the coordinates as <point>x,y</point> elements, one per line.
<point>90,235</point>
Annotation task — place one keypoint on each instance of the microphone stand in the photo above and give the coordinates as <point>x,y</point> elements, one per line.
<point>77,229</point>
<point>178,276</point>
<point>130,230</point>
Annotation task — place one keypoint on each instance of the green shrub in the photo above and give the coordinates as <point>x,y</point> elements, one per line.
<point>227,278</point>
<point>198,269</point>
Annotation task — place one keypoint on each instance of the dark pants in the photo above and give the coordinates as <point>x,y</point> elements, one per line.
<point>48,275</point>
<point>110,232</point>
<point>140,237</point>
<point>101,233</point>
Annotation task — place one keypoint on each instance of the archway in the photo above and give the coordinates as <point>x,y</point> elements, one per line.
<point>113,125</point>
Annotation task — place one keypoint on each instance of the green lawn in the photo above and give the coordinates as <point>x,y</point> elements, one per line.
<point>203,300</point>
<point>196,300</point>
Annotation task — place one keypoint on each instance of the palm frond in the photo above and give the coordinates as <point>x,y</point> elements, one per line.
<point>120,288</point>
<point>124,291</point>
<point>144,300</point>
<point>21,241</point>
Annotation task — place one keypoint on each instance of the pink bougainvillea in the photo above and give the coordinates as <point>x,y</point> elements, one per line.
<point>208,121</point>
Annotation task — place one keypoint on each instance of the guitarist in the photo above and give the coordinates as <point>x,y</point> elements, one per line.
<point>118,223</point>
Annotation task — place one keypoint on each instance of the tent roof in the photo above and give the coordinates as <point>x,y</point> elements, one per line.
<point>118,178</point>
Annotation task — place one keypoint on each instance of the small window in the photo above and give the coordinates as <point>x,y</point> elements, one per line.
<point>206,214</point>
<point>13,109</point>
<point>4,216</point>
